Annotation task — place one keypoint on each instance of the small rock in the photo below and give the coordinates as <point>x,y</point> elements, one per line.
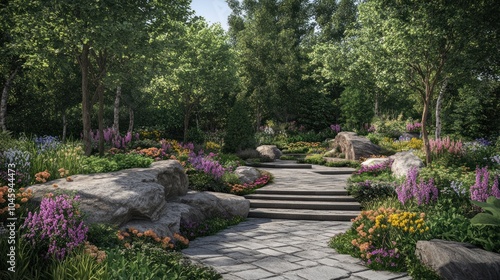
<point>458,261</point>
<point>247,174</point>
<point>269,151</point>
<point>403,162</point>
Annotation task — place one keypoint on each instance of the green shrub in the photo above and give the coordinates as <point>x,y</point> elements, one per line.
<point>211,226</point>
<point>145,143</point>
<point>126,161</point>
<point>79,265</point>
<point>315,159</point>
<point>239,131</point>
<point>230,178</point>
<point>285,157</point>
<point>201,181</point>
<point>229,160</point>
<point>6,140</point>
<point>94,164</point>
<point>344,163</point>
<point>342,242</point>
<point>103,235</point>
<point>368,190</point>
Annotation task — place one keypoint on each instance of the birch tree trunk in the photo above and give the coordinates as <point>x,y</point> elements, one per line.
<point>5,98</point>
<point>65,125</point>
<point>116,116</point>
<point>439,104</point>
<point>131,119</point>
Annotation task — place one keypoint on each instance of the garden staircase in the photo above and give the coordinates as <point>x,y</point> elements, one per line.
<point>317,201</point>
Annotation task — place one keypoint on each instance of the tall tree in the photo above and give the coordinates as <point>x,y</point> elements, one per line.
<point>421,43</point>
<point>268,37</point>
<point>199,71</point>
<point>94,33</point>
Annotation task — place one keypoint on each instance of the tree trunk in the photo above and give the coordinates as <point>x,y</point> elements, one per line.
<point>131,119</point>
<point>65,125</point>
<point>5,98</point>
<point>439,104</point>
<point>425,115</point>
<point>187,115</point>
<point>116,115</point>
<point>84,66</point>
<point>100,117</point>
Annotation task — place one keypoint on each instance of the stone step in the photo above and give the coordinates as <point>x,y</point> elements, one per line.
<point>347,171</point>
<point>288,191</point>
<point>333,198</point>
<point>303,214</point>
<point>313,205</point>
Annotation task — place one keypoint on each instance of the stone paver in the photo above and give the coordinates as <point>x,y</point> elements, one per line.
<point>288,253</point>
<point>285,249</point>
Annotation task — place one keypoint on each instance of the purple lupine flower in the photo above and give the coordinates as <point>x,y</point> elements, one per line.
<point>494,189</point>
<point>480,190</point>
<point>423,192</point>
<point>376,168</point>
<point>206,164</point>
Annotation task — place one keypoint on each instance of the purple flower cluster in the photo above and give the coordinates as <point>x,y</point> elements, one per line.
<point>335,127</point>
<point>113,138</point>
<point>383,257</point>
<point>480,191</point>
<point>423,192</point>
<point>413,127</point>
<point>46,143</point>
<point>376,168</point>
<point>483,142</point>
<point>57,227</point>
<point>206,164</point>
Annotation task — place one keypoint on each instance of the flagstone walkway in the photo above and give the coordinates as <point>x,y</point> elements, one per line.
<point>262,248</point>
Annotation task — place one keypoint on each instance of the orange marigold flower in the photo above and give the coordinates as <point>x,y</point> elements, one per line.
<point>55,185</point>
<point>24,199</point>
<point>140,234</point>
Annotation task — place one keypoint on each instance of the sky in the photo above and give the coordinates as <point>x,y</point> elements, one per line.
<point>212,10</point>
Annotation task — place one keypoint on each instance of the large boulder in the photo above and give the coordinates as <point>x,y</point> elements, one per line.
<point>145,198</point>
<point>354,146</point>
<point>193,208</point>
<point>458,261</point>
<point>403,162</point>
<point>247,174</point>
<point>118,197</point>
<point>269,151</point>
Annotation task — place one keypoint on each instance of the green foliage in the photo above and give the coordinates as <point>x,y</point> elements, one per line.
<point>367,191</point>
<point>443,176</point>
<point>344,163</point>
<point>230,178</point>
<point>93,164</point>
<point>103,236</point>
<point>390,127</point>
<point>79,265</point>
<point>491,216</point>
<point>229,160</point>
<point>145,143</point>
<point>315,159</point>
<point>352,99</point>
<point>208,227</point>
<point>342,242</point>
<point>6,140</point>
<point>239,131</point>
<point>202,181</point>
<point>150,262</point>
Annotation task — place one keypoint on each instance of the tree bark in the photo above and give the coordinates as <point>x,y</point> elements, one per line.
<point>131,119</point>
<point>187,115</point>
<point>84,62</point>
<point>101,61</point>
<point>5,98</point>
<point>439,104</point>
<point>65,125</point>
<point>116,115</point>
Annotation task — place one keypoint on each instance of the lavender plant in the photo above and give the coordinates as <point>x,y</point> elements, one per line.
<point>376,169</point>
<point>423,192</point>
<point>481,190</point>
<point>57,228</point>
<point>45,143</point>
<point>207,164</point>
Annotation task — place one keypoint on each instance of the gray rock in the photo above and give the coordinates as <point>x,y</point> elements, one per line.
<point>210,204</point>
<point>118,197</point>
<point>403,162</point>
<point>354,146</point>
<point>373,161</point>
<point>269,151</point>
<point>458,261</point>
<point>247,174</point>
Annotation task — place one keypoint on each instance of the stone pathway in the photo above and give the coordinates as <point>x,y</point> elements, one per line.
<point>262,248</point>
